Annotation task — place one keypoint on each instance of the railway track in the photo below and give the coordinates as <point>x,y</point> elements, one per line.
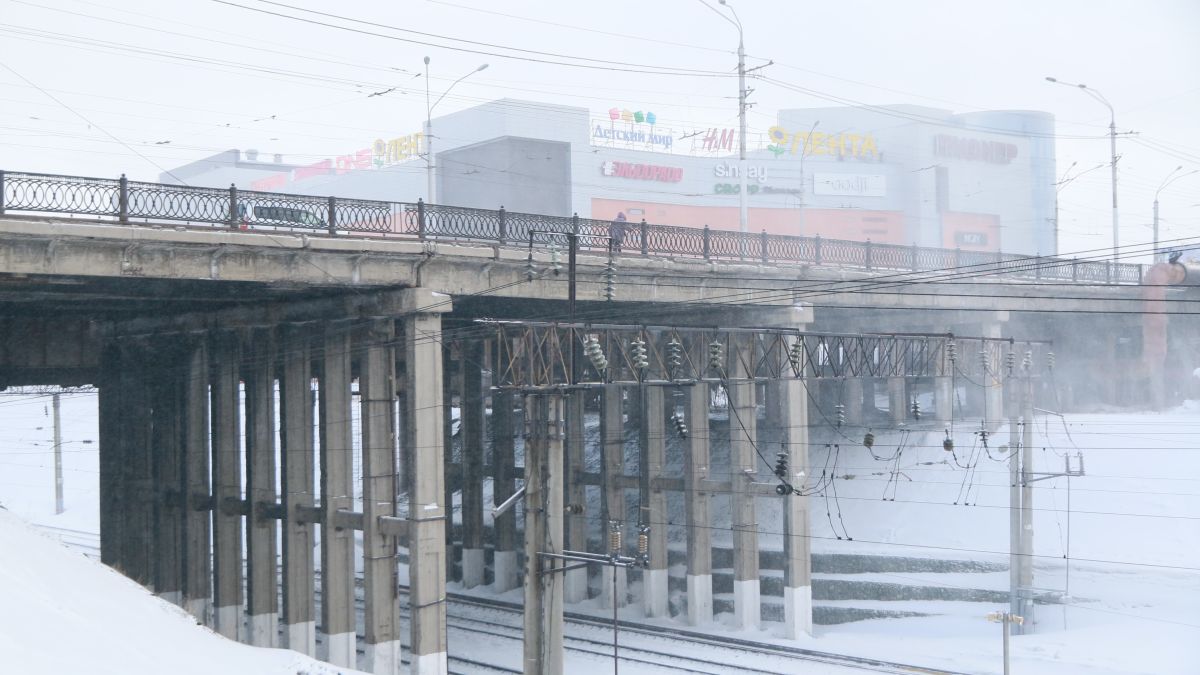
<point>503,621</point>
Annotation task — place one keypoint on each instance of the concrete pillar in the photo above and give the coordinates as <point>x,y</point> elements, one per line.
<point>543,616</point>
<point>426,512</point>
<point>696,501</point>
<point>471,415</point>
<point>137,555</point>
<point>993,393</point>
<point>112,458</point>
<point>166,394</point>
<point>504,565</point>
<point>197,588</point>
<point>451,480</point>
<point>227,487</point>
<point>576,537</point>
<point>262,601</point>
<point>376,387</point>
<point>852,399</point>
<point>943,398</point>
<point>744,469</point>
<point>612,429</point>
<point>653,450</point>
<point>337,493</point>
<point>897,400</point>
<point>792,405</point>
<point>296,422</point>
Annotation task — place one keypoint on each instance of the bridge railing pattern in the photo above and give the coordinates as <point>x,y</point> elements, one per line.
<point>129,201</point>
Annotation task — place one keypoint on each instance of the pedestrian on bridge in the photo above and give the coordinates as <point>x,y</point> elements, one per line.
<point>616,232</point>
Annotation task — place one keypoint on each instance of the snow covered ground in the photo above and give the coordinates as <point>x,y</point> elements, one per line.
<point>1130,541</point>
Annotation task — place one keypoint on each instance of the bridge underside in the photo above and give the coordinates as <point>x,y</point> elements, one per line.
<point>290,407</point>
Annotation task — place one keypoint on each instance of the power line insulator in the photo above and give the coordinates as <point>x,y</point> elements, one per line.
<point>840,414</point>
<point>782,489</point>
<point>915,409</point>
<point>984,361</point>
<point>1010,360</point>
<point>595,354</point>
<point>614,538</point>
<point>869,439</point>
<point>680,425</point>
<point>555,260</point>
<point>638,354</point>
<point>715,357</point>
<point>530,268</point>
<point>952,351</point>
<point>1050,360</point>
<point>1027,361</point>
<point>610,279</point>
<point>948,443</point>
<point>796,354</point>
<point>674,353</point>
<point>643,543</point>
<point>781,465</point>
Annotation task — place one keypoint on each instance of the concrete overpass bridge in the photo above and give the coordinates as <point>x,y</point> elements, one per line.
<point>227,329</point>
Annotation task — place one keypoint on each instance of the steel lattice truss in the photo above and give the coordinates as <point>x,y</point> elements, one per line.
<point>539,355</point>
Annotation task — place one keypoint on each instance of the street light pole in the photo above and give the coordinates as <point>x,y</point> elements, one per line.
<point>743,205</point>
<point>1112,135</point>
<point>1166,181</point>
<point>429,191</point>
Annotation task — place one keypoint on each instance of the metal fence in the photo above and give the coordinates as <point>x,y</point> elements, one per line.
<point>129,201</point>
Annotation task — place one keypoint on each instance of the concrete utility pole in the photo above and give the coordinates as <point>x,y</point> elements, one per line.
<point>58,478</point>
<point>743,206</point>
<point>544,511</point>
<point>1112,135</point>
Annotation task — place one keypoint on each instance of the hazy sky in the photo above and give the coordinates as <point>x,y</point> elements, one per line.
<point>177,80</point>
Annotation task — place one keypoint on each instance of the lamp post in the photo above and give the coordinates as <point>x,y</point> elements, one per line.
<point>803,185</point>
<point>429,193</point>
<point>1171,178</point>
<point>743,206</point>
<point>1112,134</point>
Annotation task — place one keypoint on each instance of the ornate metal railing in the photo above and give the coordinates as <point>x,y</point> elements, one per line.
<point>128,201</point>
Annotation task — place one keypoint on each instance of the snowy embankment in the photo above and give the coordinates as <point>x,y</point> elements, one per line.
<point>65,613</point>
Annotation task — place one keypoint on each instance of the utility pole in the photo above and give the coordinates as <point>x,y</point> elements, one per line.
<point>1026,580</point>
<point>58,474</point>
<point>1171,178</point>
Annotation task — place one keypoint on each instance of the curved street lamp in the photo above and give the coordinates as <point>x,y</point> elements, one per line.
<point>429,194</point>
<point>1171,178</point>
<point>1112,133</point>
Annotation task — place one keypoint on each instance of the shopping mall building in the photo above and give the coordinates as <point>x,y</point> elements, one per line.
<point>894,174</point>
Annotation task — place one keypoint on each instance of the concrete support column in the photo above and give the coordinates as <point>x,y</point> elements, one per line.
<point>262,602</point>
<point>897,399</point>
<point>852,399</point>
<point>197,588</point>
<point>1025,385</point>
<point>576,537</point>
<point>792,405</point>
<point>696,502</point>
<point>543,625</point>
<point>166,394</point>
<point>337,493</point>
<point>504,565</point>
<point>652,444</point>
<point>137,554</point>
<point>744,468</point>
<point>450,471</point>
<point>296,420</point>
<point>943,398</point>
<point>227,487</point>
<point>427,512</point>
<point>113,494</point>
<point>612,429</point>
<point>471,414</point>
<point>376,387</point>
<point>993,393</point>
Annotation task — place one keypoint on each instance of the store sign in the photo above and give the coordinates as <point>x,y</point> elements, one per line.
<point>970,239</point>
<point>753,189</point>
<point>730,170</point>
<point>634,135</point>
<point>858,146</point>
<point>973,149</point>
<point>397,149</point>
<point>665,174</point>
<point>716,140</point>
<point>850,184</point>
